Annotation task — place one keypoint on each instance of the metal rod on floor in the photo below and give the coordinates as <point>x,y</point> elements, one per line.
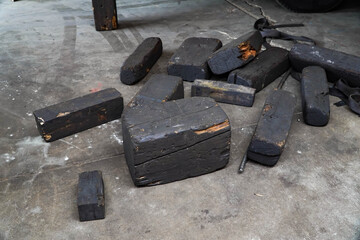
<point>283,79</point>
<point>243,163</point>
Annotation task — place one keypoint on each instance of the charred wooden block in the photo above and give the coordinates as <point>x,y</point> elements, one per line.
<point>224,92</point>
<point>174,140</point>
<point>270,135</point>
<point>159,88</point>
<point>139,63</point>
<point>263,70</point>
<point>190,61</point>
<point>78,114</point>
<point>105,15</point>
<point>315,96</point>
<point>90,196</point>
<point>336,64</point>
<point>236,53</point>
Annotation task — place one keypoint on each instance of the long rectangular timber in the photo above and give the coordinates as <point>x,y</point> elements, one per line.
<point>139,63</point>
<point>336,64</point>
<point>224,92</point>
<point>263,70</point>
<point>270,135</point>
<point>78,114</point>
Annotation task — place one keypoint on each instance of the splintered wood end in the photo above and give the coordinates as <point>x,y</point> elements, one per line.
<point>267,107</point>
<point>47,137</point>
<point>114,23</point>
<point>214,128</point>
<point>246,50</point>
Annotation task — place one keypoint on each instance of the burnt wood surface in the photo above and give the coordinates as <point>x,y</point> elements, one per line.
<point>139,63</point>
<point>336,64</point>
<point>270,135</point>
<point>315,96</point>
<point>190,60</point>
<point>90,196</point>
<point>78,114</point>
<point>263,159</point>
<point>159,88</point>
<point>236,53</point>
<point>170,141</point>
<point>224,92</point>
<point>105,15</point>
<point>263,70</point>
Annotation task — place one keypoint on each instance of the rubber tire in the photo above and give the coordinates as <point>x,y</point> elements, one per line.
<point>308,6</point>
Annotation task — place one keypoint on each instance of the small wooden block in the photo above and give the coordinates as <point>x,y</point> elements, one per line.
<point>90,196</point>
<point>315,96</point>
<point>224,92</point>
<point>336,64</point>
<point>175,140</point>
<point>105,15</point>
<point>190,60</point>
<point>263,70</point>
<point>139,63</point>
<point>236,53</point>
<point>270,135</point>
<point>159,88</point>
<point>78,114</point>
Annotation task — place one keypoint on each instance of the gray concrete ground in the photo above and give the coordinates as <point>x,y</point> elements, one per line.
<point>50,52</point>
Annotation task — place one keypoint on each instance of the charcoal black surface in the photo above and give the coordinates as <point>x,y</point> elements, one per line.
<point>336,64</point>
<point>90,196</point>
<point>78,114</point>
<point>139,63</point>
<point>224,92</point>
<point>170,141</point>
<point>190,61</point>
<point>159,88</point>
<point>105,15</point>
<point>263,70</point>
<point>315,96</point>
<point>263,159</point>
<point>221,77</point>
<point>273,127</point>
<point>236,53</point>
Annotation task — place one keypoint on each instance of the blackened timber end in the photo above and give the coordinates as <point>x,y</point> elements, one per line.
<point>105,15</point>
<point>190,60</point>
<point>236,53</point>
<point>91,196</point>
<point>139,63</point>
<point>159,88</point>
<point>315,96</point>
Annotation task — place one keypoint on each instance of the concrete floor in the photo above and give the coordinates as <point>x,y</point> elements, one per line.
<point>50,52</point>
